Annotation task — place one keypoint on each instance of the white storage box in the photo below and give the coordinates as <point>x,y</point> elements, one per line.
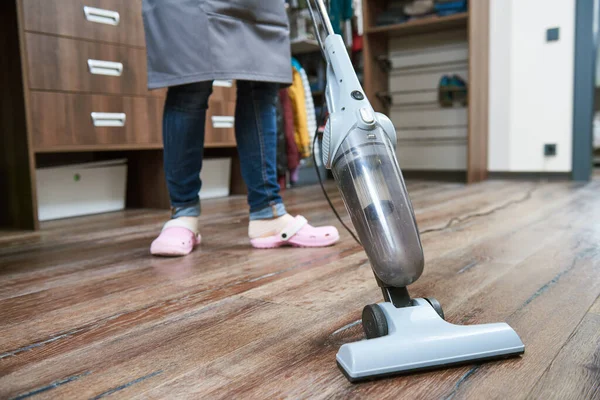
<point>428,117</point>
<point>425,79</point>
<point>420,85</point>
<point>430,56</point>
<point>432,133</point>
<point>81,189</point>
<point>412,98</point>
<point>424,40</point>
<point>429,49</point>
<point>215,175</point>
<point>431,155</point>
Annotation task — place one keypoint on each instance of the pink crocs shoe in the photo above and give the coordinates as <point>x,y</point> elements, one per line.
<point>175,240</point>
<point>299,234</point>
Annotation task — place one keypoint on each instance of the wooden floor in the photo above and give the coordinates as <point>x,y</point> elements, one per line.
<point>86,312</point>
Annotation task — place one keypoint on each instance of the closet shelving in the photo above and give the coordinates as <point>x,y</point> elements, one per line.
<point>302,46</point>
<point>381,41</point>
<point>421,25</point>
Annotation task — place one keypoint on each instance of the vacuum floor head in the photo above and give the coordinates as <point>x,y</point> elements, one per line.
<point>419,339</point>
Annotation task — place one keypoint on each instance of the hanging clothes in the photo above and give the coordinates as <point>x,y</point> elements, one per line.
<point>298,99</point>
<point>310,105</point>
<point>339,12</point>
<point>444,8</point>
<point>357,5</point>
<point>291,149</point>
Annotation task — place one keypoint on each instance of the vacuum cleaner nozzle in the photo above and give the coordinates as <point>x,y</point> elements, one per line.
<point>419,339</point>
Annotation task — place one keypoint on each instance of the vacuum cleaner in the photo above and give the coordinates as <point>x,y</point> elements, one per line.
<point>358,145</point>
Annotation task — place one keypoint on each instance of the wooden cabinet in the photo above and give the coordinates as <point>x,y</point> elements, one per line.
<point>74,85</point>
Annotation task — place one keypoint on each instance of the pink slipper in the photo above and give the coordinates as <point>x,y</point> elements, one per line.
<point>175,241</point>
<point>299,234</point>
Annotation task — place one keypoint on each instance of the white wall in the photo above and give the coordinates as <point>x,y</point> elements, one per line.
<point>531,85</point>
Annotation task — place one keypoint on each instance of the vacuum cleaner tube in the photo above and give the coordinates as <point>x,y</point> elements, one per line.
<point>373,190</point>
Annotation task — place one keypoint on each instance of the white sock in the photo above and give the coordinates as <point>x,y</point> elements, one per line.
<point>260,228</point>
<point>190,223</point>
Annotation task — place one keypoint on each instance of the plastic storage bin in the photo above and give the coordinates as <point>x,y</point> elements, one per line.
<point>81,189</point>
<point>215,175</point>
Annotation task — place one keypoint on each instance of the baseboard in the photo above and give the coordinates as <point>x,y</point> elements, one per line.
<point>531,176</point>
<point>444,176</point>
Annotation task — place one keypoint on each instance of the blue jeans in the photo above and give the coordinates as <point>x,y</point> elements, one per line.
<point>256,136</point>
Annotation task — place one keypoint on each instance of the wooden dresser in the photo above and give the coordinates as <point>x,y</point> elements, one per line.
<point>73,88</point>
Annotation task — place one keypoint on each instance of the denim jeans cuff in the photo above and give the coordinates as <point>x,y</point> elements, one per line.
<point>271,211</point>
<point>188,210</point>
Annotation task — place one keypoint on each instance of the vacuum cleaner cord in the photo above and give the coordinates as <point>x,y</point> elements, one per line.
<point>314,157</point>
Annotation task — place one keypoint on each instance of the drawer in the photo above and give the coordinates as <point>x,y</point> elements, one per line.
<point>432,155</point>
<point>432,133</point>
<point>428,117</point>
<point>112,21</point>
<point>413,98</point>
<point>425,80</point>
<point>220,122</point>
<point>420,42</point>
<point>431,56</point>
<point>63,121</point>
<point>224,91</point>
<point>79,66</point>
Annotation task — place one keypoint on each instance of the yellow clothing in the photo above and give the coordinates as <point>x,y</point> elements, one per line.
<point>298,99</point>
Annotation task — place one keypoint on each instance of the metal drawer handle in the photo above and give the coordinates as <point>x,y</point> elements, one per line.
<point>108,119</point>
<point>223,83</point>
<point>101,16</point>
<point>222,121</point>
<point>99,67</point>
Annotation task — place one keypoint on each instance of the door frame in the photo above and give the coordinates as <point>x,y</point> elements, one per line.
<point>584,85</point>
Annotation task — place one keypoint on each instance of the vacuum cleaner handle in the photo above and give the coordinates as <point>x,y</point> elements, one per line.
<point>347,103</point>
<point>341,78</point>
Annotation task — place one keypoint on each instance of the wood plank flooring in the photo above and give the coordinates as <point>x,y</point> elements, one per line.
<point>86,312</point>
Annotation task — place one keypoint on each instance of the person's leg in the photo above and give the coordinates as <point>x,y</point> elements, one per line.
<point>256,136</point>
<point>183,138</point>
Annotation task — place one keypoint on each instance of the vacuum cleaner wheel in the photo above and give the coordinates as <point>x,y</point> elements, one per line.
<point>374,321</point>
<point>436,306</point>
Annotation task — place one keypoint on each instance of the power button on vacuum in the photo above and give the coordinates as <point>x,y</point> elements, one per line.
<point>357,95</point>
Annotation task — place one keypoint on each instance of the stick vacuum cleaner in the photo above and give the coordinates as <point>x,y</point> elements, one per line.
<point>403,334</point>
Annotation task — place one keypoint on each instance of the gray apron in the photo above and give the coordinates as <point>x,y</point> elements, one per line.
<point>200,40</point>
